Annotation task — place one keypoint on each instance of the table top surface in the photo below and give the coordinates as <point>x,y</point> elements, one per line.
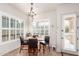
<point>39,39</point>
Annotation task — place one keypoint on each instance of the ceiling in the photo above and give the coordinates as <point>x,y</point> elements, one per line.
<point>38,7</point>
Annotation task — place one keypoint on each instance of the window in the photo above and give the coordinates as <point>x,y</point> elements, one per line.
<point>12,34</point>
<point>11,28</point>
<point>18,24</point>
<point>5,32</point>
<point>18,33</point>
<point>41,27</point>
<point>5,35</point>
<point>22,25</point>
<point>46,32</point>
<point>22,32</point>
<point>5,22</point>
<point>12,23</point>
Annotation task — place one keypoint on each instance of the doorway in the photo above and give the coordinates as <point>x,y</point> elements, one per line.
<point>69,37</point>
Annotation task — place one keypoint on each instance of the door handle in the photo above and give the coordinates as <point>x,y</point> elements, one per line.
<point>61,30</point>
<point>62,38</point>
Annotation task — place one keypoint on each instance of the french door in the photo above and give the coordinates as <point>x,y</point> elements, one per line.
<point>69,39</point>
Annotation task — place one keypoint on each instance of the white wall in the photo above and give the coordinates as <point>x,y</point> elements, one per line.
<point>55,22</point>
<point>9,46</point>
<point>30,28</point>
<point>11,10</point>
<point>51,16</point>
<point>64,8</point>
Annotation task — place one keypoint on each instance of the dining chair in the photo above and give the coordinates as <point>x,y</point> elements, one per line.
<point>33,46</point>
<point>23,43</point>
<point>45,43</point>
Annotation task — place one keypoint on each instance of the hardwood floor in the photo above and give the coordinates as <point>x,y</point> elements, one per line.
<point>40,53</point>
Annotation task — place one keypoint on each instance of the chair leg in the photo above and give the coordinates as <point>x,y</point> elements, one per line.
<point>39,47</point>
<point>20,48</point>
<point>49,48</point>
<point>35,52</point>
<point>44,48</point>
<point>29,51</point>
<point>62,53</point>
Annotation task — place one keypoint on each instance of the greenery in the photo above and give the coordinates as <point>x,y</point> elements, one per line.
<point>66,29</point>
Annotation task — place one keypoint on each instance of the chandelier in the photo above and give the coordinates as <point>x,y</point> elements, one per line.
<point>32,13</point>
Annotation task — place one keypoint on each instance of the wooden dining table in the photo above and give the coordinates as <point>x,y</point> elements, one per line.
<point>40,39</point>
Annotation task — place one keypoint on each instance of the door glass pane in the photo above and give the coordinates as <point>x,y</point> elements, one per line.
<point>69,33</point>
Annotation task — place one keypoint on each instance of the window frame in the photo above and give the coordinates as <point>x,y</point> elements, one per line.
<point>9,28</point>
<point>37,31</point>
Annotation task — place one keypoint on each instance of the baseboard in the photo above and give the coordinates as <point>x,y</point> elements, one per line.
<point>10,51</point>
